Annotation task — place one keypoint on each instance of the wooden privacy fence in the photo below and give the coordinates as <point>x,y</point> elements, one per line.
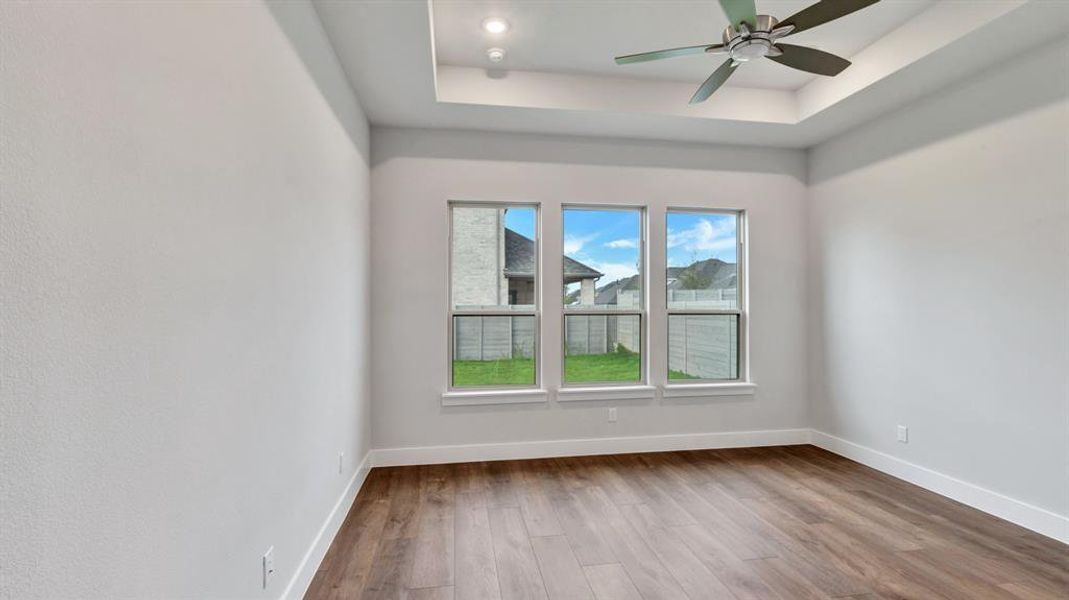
<point>702,346</point>
<point>698,345</point>
<point>493,338</point>
<point>599,334</point>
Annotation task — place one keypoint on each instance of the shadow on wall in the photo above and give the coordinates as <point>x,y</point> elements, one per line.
<point>1016,86</point>
<point>301,26</point>
<point>534,148</point>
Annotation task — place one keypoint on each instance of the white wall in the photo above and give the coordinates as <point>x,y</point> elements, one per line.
<point>940,281</point>
<point>184,235</point>
<point>184,273</point>
<point>414,174</point>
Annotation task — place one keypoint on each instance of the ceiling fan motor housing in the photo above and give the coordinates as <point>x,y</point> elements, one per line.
<point>747,43</point>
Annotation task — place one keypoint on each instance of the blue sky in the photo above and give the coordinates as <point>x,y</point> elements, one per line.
<point>699,236</point>
<point>608,240</point>
<point>521,220</point>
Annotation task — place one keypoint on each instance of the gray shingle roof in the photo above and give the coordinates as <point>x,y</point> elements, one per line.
<point>520,260</point>
<point>719,274</point>
<point>607,293</point>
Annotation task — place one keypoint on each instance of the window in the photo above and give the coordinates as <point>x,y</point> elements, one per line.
<point>603,295</point>
<point>493,309</point>
<point>705,296</point>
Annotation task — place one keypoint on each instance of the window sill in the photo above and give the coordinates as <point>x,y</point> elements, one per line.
<point>704,390</point>
<point>608,392</point>
<point>487,397</point>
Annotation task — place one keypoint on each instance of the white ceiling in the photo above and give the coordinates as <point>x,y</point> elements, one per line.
<point>388,52</point>
<point>581,37</point>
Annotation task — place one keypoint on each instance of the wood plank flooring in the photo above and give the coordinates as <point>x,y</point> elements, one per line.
<point>783,523</point>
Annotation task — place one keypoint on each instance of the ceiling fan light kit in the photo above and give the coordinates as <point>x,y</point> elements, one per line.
<point>744,43</point>
<point>751,36</point>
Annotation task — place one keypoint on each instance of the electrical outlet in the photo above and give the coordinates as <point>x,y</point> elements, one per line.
<point>903,434</point>
<point>612,414</point>
<point>269,565</point>
<point>341,463</point>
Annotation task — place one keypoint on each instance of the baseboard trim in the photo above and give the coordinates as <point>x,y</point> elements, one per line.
<point>429,455</point>
<point>1031,517</point>
<point>298,585</point>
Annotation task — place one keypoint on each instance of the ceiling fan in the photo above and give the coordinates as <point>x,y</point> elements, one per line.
<point>751,36</point>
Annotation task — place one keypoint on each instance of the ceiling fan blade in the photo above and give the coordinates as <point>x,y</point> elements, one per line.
<point>715,80</point>
<point>668,53</point>
<point>739,11</point>
<point>810,59</point>
<point>822,12</point>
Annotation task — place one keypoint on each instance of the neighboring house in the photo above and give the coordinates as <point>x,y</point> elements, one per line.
<point>494,265</point>
<point>709,283</point>
<point>622,292</point>
<point>519,270</point>
<point>710,275</point>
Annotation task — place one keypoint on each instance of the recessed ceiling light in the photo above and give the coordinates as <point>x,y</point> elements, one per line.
<point>495,25</point>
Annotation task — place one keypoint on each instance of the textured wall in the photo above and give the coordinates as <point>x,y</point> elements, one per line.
<point>940,280</point>
<point>416,172</point>
<point>184,291</point>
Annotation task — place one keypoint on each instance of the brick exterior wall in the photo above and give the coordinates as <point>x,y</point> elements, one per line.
<point>478,263</point>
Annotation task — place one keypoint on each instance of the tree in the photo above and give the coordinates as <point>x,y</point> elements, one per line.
<point>692,279</point>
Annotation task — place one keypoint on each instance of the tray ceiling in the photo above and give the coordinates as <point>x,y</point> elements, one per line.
<point>581,37</point>
<point>421,63</point>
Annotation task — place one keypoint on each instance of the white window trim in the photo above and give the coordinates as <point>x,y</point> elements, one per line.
<point>504,394</point>
<point>708,390</point>
<point>605,391</point>
<point>582,387</point>
<point>611,392</point>
<point>495,396</point>
<point>717,387</point>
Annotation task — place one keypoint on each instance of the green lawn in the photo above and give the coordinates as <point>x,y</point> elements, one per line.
<point>614,366</point>
<point>509,371</point>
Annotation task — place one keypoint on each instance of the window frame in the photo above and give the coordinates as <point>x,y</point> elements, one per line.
<point>741,310</point>
<point>642,312</point>
<point>536,311</point>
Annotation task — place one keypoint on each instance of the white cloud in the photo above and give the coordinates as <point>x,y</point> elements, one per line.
<point>612,271</point>
<point>622,244</point>
<point>573,244</point>
<point>705,235</point>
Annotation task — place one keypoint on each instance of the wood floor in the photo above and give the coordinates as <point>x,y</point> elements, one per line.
<point>790,523</point>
